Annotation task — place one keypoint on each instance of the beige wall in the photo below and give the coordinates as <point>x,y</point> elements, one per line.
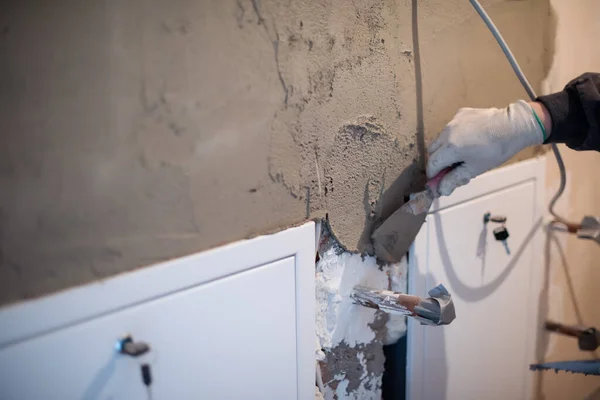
<point>573,287</point>
<point>137,131</point>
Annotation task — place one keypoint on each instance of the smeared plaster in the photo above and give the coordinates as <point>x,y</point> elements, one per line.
<point>343,135</point>
<point>351,337</point>
<point>140,131</point>
<point>338,318</point>
<point>369,388</point>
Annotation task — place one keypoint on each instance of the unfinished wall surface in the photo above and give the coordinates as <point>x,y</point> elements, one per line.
<point>134,132</point>
<point>571,293</point>
<point>350,337</point>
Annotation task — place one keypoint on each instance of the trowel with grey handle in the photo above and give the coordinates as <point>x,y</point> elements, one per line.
<point>392,239</point>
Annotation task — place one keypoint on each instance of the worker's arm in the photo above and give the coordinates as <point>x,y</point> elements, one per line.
<point>481,139</point>
<point>575,113</point>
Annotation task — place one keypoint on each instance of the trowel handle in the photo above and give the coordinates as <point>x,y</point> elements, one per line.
<point>434,182</point>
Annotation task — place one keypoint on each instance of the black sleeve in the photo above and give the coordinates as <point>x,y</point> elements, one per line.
<point>575,113</point>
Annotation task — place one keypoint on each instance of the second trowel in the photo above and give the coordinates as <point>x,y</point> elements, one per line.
<point>392,239</point>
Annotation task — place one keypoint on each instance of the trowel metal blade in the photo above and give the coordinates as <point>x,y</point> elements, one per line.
<point>393,238</point>
<point>586,367</point>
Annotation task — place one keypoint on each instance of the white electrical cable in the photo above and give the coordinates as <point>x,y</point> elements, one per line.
<point>515,66</point>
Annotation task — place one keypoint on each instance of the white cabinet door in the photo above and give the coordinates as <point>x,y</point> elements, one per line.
<point>486,351</point>
<point>233,337</point>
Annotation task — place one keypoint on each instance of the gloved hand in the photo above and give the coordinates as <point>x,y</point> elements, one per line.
<point>481,139</point>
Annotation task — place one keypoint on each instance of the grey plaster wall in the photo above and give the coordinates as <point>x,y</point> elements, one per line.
<point>136,131</point>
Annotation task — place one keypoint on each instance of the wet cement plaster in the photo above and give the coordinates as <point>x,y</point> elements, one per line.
<point>348,141</point>
<point>347,128</point>
<point>350,337</point>
<point>135,132</point>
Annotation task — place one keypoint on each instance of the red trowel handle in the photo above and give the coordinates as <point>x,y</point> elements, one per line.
<point>434,182</point>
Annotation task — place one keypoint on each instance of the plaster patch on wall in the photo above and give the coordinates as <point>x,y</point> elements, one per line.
<point>176,136</point>
<point>351,337</point>
<point>354,372</point>
<point>342,130</point>
<point>365,390</point>
<point>338,318</point>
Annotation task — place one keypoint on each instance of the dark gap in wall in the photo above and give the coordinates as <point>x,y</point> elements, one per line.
<point>393,385</point>
<point>394,375</point>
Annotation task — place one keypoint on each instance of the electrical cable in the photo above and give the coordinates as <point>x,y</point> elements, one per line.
<point>147,378</point>
<point>136,349</point>
<point>527,86</point>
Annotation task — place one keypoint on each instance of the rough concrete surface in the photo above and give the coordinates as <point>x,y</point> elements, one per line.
<point>134,132</point>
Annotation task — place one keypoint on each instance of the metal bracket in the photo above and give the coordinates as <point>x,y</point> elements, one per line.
<point>589,229</point>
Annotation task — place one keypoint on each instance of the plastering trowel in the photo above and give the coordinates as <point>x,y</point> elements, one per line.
<point>394,236</point>
<point>437,309</point>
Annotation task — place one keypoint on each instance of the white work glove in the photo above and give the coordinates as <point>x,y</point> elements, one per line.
<point>481,139</point>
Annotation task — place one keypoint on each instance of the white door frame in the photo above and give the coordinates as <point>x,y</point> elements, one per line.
<point>496,180</point>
